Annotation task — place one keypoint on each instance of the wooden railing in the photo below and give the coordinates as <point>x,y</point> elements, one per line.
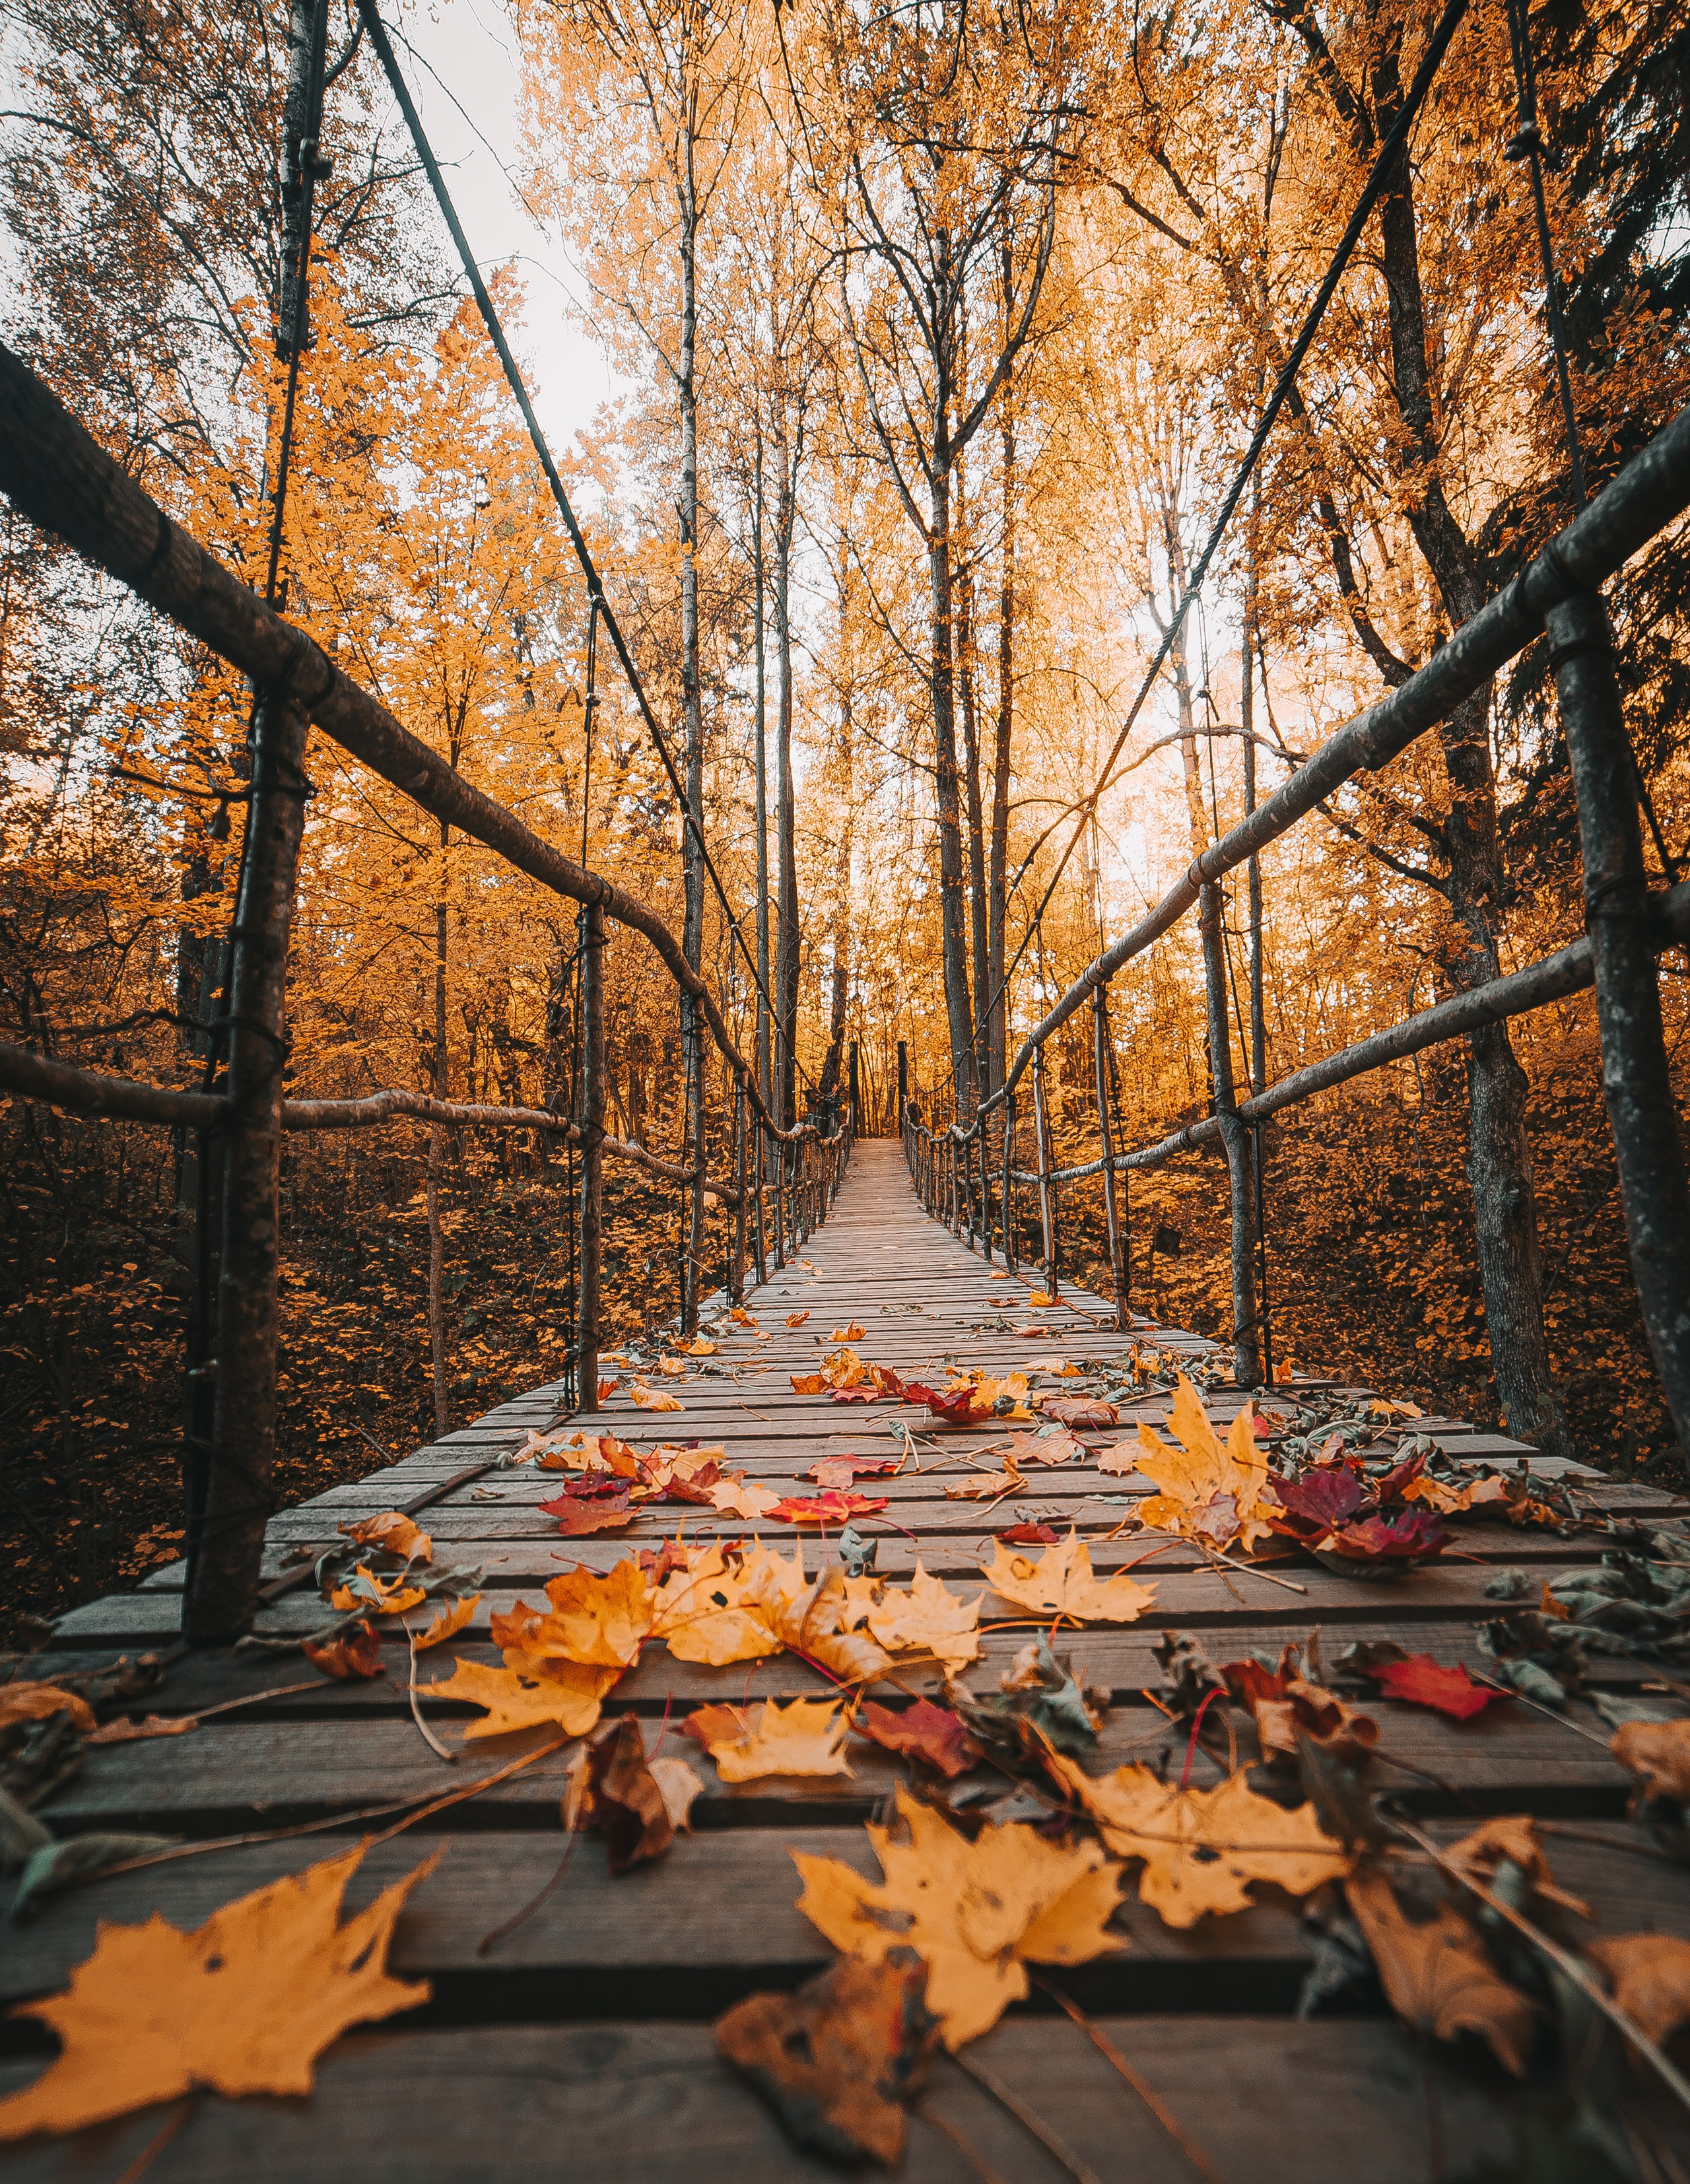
<point>1629,923</point>
<point>784,1177</point>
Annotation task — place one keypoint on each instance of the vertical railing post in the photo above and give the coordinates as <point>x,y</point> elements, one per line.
<point>695,1196</point>
<point>226,1531</point>
<point>591,1249</point>
<point>1636,1085</point>
<point>1100,1040</point>
<point>1235,1136</point>
<point>736,1287</point>
<point>779,1202</point>
<point>759,1165</point>
<point>1010,1258</point>
<point>1046,1210</point>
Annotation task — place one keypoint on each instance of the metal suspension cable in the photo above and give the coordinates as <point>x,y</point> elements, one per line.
<point>490,318</point>
<point>1373,188</point>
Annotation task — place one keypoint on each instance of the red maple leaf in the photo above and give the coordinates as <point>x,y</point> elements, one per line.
<point>1407,1538</point>
<point>1028,1535</point>
<point>856,1395</point>
<point>832,1508</point>
<point>924,1730</point>
<point>957,1406</point>
<point>1425,1682</point>
<point>575,1516</point>
<point>1314,1503</point>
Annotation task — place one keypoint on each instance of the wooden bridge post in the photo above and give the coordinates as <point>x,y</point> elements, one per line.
<point>590,1252</point>
<point>1235,1136</point>
<point>1636,1087</point>
<point>779,1202</point>
<point>736,1286</point>
<point>1100,1043</point>
<point>757,1165</point>
<point>226,1540</point>
<point>1046,1210</point>
<point>1010,1258</point>
<point>694,1265</point>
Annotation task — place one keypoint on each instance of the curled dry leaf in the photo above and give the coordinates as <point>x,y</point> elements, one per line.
<point>680,1787</point>
<point>155,1725</point>
<point>613,1791</point>
<point>449,1622</point>
<point>1028,1535</point>
<point>1511,1839</point>
<point>1657,1753</point>
<point>836,2061</point>
<point>923,1732</point>
<point>393,1532</point>
<point>807,1736</point>
<point>1203,1849</point>
<point>700,1346</point>
<point>834,1507</point>
<point>648,1398</point>
<point>606,1388</point>
<point>796,1318</point>
<point>244,2004</point>
<point>577,1516</point>
<point>354,1652</point>
<point>382,1597</point>
<point>977,1913</point>
<point>853,1333</point>
<point>1061,1583</point>
<point>1436,1974</point>
<point>1649,1975</point>
<point>36,1702</point>
<point>1083,1414</point>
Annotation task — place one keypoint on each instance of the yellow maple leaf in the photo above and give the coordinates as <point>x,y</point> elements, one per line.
<point>977,1913</point>
<point>652,1399</point>
<point>394,1531</point>
<point>1208,1492</point>
<point>448,1623</point>
<point>853,1333</point>
<point>529,1692</point>
<point>244,2004</point>
<point>365,1590</point>
<point>809,1618</point>
<point>808,1384</point>
<point>806,1736</point>
<point>1061,1582</point>
<point>597,1620</point>
<point>987,1486</point>
<point>926,1619</point>
<point>1041,1297</point>
<point>700,1346</point>
<point>796,1318</point>
<point>1202,1848</point>
<point>739,1497</point>
<point>701,1614</point>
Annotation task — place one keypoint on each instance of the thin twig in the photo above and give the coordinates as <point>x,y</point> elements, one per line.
<point>1564,1961</point>
<point>1538,1706</point>
<point>975,2160</point>
<point>1605,1841</point>
<point>1246,1570</point>
<point>429,1737</point>
<point>1146,2092</point>
<point>160,2139</point>
<point>490,1940</point>
<point>1029,2119</point>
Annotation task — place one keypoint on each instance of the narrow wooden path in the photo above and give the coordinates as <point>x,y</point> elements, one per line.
<point>580,2046</point>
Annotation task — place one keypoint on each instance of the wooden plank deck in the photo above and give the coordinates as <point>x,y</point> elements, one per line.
<point>581,2047</point>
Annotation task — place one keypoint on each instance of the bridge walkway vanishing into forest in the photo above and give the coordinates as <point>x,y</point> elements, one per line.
<point>579,2044</point>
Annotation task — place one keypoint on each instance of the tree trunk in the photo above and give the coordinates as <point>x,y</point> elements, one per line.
<point>943,685</point>
<point>787,919</point>
<point>436,1156</point>
<point>977,919</point>
<point>996,952</point>
<point>764,1081</point>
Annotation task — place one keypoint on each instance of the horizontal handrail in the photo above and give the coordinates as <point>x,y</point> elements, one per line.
<point>63,481</point>
<point>1653,489</point>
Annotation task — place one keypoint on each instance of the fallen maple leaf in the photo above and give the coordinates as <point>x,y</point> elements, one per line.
<point>1656,1753</point>
<point>355,1653</point>
<point>1422,1681</point>
<point>1028,1535</point>
<point>833,1507</point>
<point>796,1318</point>
<point>1208,1492</point>
<point>853,1333</point>
<point>448,1623</point>
<point>842,1470</point>
<point>613,1791</point>
<point>1437,1974</point>
<point>927,1618</point>
<point>1203,1848</point>
<point>1511,1839</point>
<point>738,1497</point>
<point>35,1702</point>
<point>598,1620</point>
<point>1649,1975</point>
<point>1040,1299</point>
<point>977,1913</point>
<point>806,1736</point>
<point>1379,1546</point>
<point>987,1486</point>
<point>1049,1445</point>
<point>1307,1508</point>
<point>653,1399</point>
<point>394,1532</point>
<point>699,1347</point>
<point>1083,1415</point>
<point>536,1694</point>
<point>926,1731</point>
<point>244,2004</point>
<point>836,2059</point>
<point>577,1516</point>
<point>808,1383</point>
<point>703,1615</point>
<point>870,1394</point>
<point>1061,1582</point>
<point>606,1388</point>
<point>384,1597</point>
<point>136,1732</point>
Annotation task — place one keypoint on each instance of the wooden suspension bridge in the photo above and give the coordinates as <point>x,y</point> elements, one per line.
<point>582,2044</point>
